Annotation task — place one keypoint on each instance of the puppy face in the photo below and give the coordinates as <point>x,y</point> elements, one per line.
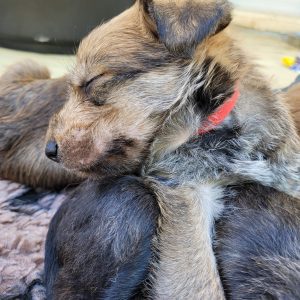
<point>129,74</point>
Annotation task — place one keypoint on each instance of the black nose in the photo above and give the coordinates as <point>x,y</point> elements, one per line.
<point>51,150</point>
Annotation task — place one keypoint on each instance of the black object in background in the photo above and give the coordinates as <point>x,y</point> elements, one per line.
<point>53,26</point>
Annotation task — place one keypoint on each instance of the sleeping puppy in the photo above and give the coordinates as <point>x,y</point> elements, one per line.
<point>28,99</point>
<point>107,237</point>
<point>258,244</point>
<point>161,91</point>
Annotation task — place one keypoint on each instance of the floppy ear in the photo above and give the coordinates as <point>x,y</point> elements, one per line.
<point>183,24</point>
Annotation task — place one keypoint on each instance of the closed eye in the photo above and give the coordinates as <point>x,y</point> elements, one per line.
<point>89,96</point>
<point>88,83</point>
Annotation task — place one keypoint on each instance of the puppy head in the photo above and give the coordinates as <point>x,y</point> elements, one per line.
<point>130,73</point>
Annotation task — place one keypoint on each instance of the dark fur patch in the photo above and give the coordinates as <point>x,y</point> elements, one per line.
<point>99,242</point>
<point>117,149</point>
<point>120,145</point>
<point>258,245</point>
<point>222,140</point>
<point>221,87</point>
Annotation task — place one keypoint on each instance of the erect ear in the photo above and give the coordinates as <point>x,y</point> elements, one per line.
<point>183,24</point>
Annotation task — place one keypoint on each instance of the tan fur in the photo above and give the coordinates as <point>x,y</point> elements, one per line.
<point>85,132</point>
<point>149,107</point>
<point>185,241</point>
<point>129,110</point>
<point>28,98</point>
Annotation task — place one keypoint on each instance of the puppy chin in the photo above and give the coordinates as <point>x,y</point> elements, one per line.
<point>104,168</point>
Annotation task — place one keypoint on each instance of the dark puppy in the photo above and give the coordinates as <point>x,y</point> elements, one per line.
<point>258,245</point>
<point>99,243</point>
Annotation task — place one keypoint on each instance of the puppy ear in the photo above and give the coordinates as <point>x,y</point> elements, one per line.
<point>183,24</point>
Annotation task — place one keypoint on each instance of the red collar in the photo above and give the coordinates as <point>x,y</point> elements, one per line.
<point>220,114</point>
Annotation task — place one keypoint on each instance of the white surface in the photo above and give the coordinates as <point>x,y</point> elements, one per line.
<point>282,7</point>
<point>57,64</point>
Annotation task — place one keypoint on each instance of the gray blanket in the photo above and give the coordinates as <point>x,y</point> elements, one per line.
<point>24,218</point>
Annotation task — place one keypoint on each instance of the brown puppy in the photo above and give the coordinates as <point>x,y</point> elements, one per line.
<point>28,99</point>
<point>126,81</point>
<point>155,97</point>
<point>137,71</point>
<point>141,94</point>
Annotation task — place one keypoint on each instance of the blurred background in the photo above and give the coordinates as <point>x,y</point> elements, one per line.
<point>49,32</point>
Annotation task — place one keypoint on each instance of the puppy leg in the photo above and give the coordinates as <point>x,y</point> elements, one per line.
<point>99,242</point>
<point>258,245</point>
<point>187,267</point>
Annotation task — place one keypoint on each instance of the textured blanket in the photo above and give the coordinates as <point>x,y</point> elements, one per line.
<point>24,218</point>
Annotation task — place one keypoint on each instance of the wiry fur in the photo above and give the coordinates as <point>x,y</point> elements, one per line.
<point>132,82</point>
<point>136,99</point>
<point>104,250</point>
<point>28,99</point>
<point>186,265</point>
<point>258,244</point>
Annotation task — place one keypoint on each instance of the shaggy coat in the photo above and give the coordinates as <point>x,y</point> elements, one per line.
<point>109,241</point>
<point>258,244</point>
<point>143,85</point>
<point>28,99</point>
